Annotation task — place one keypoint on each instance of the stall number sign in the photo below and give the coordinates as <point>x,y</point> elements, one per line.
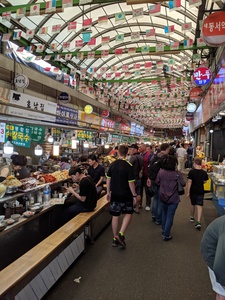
<point>202,76</point>
<point>2,132</point>
<point>37,134</point>
<point>84,135</point>
<point>21,135</point>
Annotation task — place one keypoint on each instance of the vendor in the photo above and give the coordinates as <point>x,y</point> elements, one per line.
<point>17,166</point>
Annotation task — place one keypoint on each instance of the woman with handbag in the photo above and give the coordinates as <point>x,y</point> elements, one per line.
<point>169,181</point>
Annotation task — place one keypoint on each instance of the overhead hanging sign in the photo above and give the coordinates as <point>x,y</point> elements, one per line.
<point>66,115</point>
<point>202,76</point>
<point>37,134</point>
<point>213,29</point>
<point>21,135</point>
<point>21,81</point>
<point>64,97</point>
<point>2,132</point>
<point>195,93</point>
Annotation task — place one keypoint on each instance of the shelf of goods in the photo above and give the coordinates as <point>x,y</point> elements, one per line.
<point>218,188</point>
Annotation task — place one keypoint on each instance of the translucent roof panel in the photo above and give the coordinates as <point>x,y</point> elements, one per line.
<point>141,55</point>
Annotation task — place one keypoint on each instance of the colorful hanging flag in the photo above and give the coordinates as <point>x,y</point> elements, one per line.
<point>79,43</point>
<point>47,57</point>
<point>135,36</point>
<point>6,37</point>
<point>47,69</point>
<point>159,47</point>
<point>30,49</point>
<point>67,3</point>
<point>43,30</point>
<point>159,64</point>
<point>174,45</point>
<point>174,5</point>
<point>148,65</point>
<point>113,68</point>
<point>104,53</point>
<point>30,33</point>
<point>145,49</point>
<point>118,51</point>
<point>105,40</point>
<point>66,45</point>
<point>131,50</point>
<point>20,12</point>
<point>137,13</point>
<point>17,35</point>
<point>6,16</point>
<point>119,38</point>
<point>102,70</point>
<point>35,10</point>
<point>73,71</point>
<point>196,57</point>
<point>127,74</point>
<point>83,70</point>
<point>38,57</point>
<point>188,43</point>
<point>57,57</point>
<point>20,49</point>
<point>103,20</point>
<point>125,67</point>
<point>50,6</point>
<point>92,42</point>
<point>200,42</point>
<point>80,55</point>
<point>108,75</point>
<point>186,26</point>
<point>72,26</point>
<point>56,28</point>
<point>117,74</point>
<point>87,23</point>
<point>155,9</point>
<point>55,70</point>
<point>150,32</point>
<point>120,16</point>
<point>91,55</point>
<point>28,58</point>
<point>68,56</point>
<point>53,46</point>
<point>195,3</point>
<point>169,29</point>
<point>137,66</point>
<point>137,73</point>
<point>86,36</point>
<point>171,61</point>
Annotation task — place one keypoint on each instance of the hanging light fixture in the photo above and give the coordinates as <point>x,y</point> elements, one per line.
<point>38,150</point>
<point>73,143</point>
<point>106,146</point>
<point>86,144</point>
<point>56,148</point>
<point>50,137</point>
<point>8,148</point>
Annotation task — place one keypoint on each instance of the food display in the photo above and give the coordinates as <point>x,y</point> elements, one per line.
<point>46,178</point>
<point>11,181</point>
<point>28,183</point>
<point>61,175</point>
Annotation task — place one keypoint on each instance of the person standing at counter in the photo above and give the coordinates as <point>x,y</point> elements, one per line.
<point>97,172</point>
<point>17,165</point>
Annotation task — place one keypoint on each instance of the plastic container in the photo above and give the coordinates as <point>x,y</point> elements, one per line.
<point>221,201</point>
<point>46,194</point>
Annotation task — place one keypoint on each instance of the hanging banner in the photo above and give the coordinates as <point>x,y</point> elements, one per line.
<point>202,76</point>
<point>37,134</point>
<point>92,119</point>
<point>21,135</point>
<point>116,138</point>
<point>213,29</point>
<point>2,132</point>
<point>85,135</point>
<point>64,112</point>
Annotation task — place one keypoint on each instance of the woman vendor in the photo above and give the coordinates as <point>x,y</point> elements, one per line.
<point>17,166</point>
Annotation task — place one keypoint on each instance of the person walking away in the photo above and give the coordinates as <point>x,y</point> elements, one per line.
<point>190,150</point>
<point>97,173</point>
<point>137,161</point>
<point>168,194</point>
<point>195,190</point>
<point>146,160</point>
<point>212,249</point>
<point>121,193</point>
<point>156,163</point>
<point>182,157</point>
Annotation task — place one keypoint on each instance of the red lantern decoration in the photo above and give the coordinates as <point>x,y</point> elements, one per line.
<point>213,29</point>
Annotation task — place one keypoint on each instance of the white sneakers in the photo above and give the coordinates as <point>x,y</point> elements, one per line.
<point>147,208</point>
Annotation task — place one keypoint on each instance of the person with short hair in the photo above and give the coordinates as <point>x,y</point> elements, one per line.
<point>181,157</point>
<point>97,172</point>
<point>213,252</point>
<point>18,162</point>
<point>121,194</point>
<point>195,190</point>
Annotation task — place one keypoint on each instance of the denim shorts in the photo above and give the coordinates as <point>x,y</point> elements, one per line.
<point>197,199</point>
<point>118,208</point>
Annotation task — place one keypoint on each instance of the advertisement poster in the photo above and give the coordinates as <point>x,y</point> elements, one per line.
<point>20,135</point>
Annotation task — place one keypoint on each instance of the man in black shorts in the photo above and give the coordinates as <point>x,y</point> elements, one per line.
<point>121,194</point>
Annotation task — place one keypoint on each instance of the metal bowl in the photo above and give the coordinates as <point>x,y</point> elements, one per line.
<point>11,189</point>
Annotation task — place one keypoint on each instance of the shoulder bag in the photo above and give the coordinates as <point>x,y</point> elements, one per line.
<point>180,187</point>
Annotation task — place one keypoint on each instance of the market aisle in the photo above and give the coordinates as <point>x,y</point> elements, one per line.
<point>148,269</point>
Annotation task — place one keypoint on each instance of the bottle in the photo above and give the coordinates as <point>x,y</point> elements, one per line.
<point>46,193</point>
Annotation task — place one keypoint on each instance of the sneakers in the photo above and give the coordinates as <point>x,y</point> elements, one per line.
<point>192,219</point>
<point>147,208</point>
<point>120,239</point>
<point>115,243</point>
<point>198,226</point>
<point>165,238</point>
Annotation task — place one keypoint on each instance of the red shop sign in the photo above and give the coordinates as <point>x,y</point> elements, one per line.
<point>202,76</point>
<point>213,29</point>
<point>195,93</point>
<point>105,113</point>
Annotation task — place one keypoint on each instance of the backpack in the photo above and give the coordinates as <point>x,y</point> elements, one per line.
<point>154,166</point>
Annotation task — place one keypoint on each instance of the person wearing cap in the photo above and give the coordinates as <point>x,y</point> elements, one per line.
<point>137,161</point>
<point>83,201</point>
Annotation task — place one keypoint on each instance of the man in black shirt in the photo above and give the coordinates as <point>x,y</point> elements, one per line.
<point>97,172</point>
<point>121,194</point>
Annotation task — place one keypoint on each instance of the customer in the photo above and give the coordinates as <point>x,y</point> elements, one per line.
<point>195,190</point>
<point>64,163</point>
<point>17,163</point>
<point>181,156</point>
<point>86,199</point>
<point>157,162</point>
<point>97,173</point>
<point>146,159</point>
<point>137,162</point>
<point>190,151</point>
<point>121,194</point>
<point>74,161</point>
<point>168,194</point>
<point>212,248</point>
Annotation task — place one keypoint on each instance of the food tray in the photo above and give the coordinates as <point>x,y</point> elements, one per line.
<point>55,201</point>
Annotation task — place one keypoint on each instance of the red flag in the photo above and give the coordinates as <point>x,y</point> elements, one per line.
<point>86,23</point>
<point>118,51</point>
<point>72,26</point>
<point>92,42</point>
<point>79,43</point>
